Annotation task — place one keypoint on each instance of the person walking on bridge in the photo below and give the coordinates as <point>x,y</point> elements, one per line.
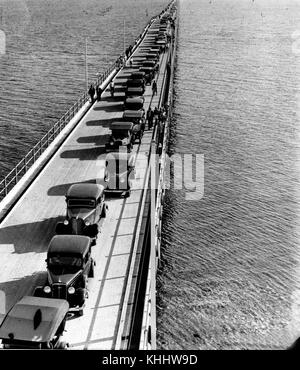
<point>98,92</point>
<point>112,88</point>
<point>154,88</point>
<point>92,93</point>
<point>155,115</point>
<point>150,118</point>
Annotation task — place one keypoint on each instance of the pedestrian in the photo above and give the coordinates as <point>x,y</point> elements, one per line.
<point>155,115</point>
<point>149,118</point>
<point>154,88</point>
<point>98,92</point>
<point>92,93</point>
<point>112,88</point>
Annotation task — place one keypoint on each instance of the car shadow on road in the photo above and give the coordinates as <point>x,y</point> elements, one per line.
<point>101,122</point>
<point>32,237</point>
<point>87,154</point>
<point>61,190</point>
<point>110,108</point>
<point>13,290</point>
<point>113,99</point>
<point>98,140</point>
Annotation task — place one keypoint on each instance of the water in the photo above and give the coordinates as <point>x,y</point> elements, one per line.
<point>43,71</point>
<point>230,269</point>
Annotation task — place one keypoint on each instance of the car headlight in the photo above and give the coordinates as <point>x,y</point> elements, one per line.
<point>111,143</point>
<point>47,289</point>
<point>87,223</point>
<point>66,222</point>
<point>71,290</point>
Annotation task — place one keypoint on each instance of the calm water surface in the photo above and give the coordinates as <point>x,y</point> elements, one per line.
<point>230,271</point>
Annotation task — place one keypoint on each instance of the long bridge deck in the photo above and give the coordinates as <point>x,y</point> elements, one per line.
<point>27,229</point>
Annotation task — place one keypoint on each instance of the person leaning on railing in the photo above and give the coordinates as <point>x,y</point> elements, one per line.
<point>92,93</point>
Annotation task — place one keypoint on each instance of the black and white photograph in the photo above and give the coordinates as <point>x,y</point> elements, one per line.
<point>149,179</point>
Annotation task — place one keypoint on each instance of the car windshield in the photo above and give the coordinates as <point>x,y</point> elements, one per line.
<point>120,134</point>
<point>63,263</point>
<point>81,203</point>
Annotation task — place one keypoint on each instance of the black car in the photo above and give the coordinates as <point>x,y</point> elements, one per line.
<point>134,116</point>
<point>85,207</point>
<point>150,67</point>
<point>69,265</point>
<point>136,103</point>
<point>119,173</point>
<point>135,87</point>
<point>35,323</point>
<point>121,136</point>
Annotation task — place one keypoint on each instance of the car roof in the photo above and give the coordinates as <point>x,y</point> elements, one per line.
<point>69,244</point>
<point>133,113</point>
<point>85,191</point>
<point>137,99</point>
<point>121,125</point>
<point>34,319</point>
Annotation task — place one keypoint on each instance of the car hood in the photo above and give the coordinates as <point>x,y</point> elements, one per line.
<point>63,277</point>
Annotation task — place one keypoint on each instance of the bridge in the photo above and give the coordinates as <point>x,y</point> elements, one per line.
<point>120,310</point>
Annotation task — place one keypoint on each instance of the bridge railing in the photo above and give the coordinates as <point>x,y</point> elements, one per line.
<point>149,309</point>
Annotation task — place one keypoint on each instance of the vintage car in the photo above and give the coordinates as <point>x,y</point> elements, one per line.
<point>161,43</point>
<point>138,76</point>
<point>152,54</point>
<point>119,173</point>
<point>155,48</point>
<point>69,265</point>
<point>151,57</point>
<point>135,87</point>
<point>35,323</point>
<point>121,136</point>
<point>85,207</point>
<point>135,116</point>
<point>136,103</point>
<point>150,67</point>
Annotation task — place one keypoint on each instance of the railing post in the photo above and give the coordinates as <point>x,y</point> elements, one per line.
<point>5,186</point>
